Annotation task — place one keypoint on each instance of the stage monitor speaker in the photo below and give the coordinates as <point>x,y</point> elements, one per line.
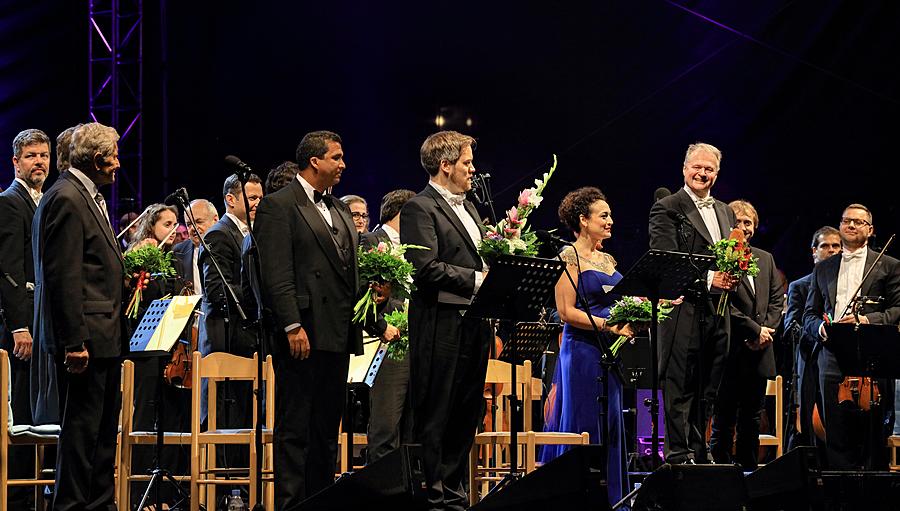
<point>571,481</point>
<point>791,482</point>
<point>690,487</point>
<point>395,482</point>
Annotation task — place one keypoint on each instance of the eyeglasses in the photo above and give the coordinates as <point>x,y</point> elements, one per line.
<point>356,215</point>
<point>854,221</point>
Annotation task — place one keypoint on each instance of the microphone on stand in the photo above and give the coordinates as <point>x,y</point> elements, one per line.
<point>179,196</point>
<point>550,238</point>
<point>661,193</point>
<point>238,167</point>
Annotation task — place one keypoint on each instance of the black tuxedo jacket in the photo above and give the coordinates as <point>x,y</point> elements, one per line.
<point>184,254</point>
<point>369,240</point>
<point>798,292</point>
<point>884,281</point>
<point>304,279</point>
<point>751,310</point>
<point>79,274</point>
<point>224,240</point>
<point>16,214</point>
<point>449,265</point>
<point>676,224</point>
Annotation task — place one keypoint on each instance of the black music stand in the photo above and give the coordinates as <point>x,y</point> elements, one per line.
<point>138,349</point>
<point>516,289</point>
<point>660,274</point>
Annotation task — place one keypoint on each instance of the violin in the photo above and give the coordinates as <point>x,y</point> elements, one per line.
<point>862,391</point>
<point>178,371</point>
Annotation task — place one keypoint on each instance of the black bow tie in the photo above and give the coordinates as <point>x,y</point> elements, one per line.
<point>317,196</point>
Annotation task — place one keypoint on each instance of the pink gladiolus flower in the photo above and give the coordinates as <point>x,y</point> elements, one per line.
<point>513,216</point>
<point>524,197</point>
<point>382,246</point>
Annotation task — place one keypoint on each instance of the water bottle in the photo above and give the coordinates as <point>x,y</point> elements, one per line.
<point>234,502</point>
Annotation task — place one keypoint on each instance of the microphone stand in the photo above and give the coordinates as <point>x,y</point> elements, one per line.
<point>607,363</point>
<point>184,201</point>
<point>481,189</point>
<point>261,334</point>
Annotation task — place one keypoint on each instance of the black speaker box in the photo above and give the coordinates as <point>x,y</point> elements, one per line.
<point>571,481</point>
<point>395,482</point>
<point>791,482</point>
<point>691,487</point>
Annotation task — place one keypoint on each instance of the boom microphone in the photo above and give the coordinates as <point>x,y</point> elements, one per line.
<point>236,164</point>
<point>660,193</point>
<point>550,238</point>
<point>177,197</point>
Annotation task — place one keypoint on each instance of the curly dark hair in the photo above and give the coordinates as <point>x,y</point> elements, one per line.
<point>577,203</point>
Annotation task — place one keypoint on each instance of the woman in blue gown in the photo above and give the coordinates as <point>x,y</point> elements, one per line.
<point>572,402</point>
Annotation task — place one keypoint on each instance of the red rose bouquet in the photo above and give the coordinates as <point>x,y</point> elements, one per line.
<point>733,256</point>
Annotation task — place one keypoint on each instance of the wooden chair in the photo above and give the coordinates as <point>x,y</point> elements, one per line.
<point>128,438</point>
<point>893,443</point>
<point>775,388</point>
<point>217,367</point>
<point>38,437</point>
<point>493,444</point>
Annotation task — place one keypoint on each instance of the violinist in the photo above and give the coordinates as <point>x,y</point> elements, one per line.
<point>834,282</point>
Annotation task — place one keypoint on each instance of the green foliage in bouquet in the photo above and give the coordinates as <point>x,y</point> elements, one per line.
<point>398,349</point>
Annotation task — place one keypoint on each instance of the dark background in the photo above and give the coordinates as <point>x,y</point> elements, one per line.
<point>802,97</point>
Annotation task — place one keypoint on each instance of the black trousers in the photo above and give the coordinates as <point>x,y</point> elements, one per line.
<point>390,423</point>
<point>691,382</point>
<point>444,422</point>
<point>89,403</point>
<point>806,390</point>
<point>741,398</point>
<point>309,401</point>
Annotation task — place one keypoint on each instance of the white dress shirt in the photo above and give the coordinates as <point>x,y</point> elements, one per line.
<point>92,191</point>
<point>853,265</point>
<point>456,202</point>
<point>198,278</point>
<point>393,235</point>
<point>35,195</point>
<point>323,209</point>
<point>239,223</point>
<point>708,214</point>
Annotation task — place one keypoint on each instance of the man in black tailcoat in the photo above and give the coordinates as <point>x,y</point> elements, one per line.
<point>693,342</point>
<point>826,243</point>
<point>834,282</point>
<point>79,286</point>
<point>31,162</point>
<point>448,350</point>
<point>756,307</point>
<point>309,281</point>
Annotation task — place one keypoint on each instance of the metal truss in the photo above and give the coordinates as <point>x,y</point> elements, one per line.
<point>115,74</point>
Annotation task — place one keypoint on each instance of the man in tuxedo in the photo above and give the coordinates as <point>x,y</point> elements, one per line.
<point>831,293</point>
<point>31,162</point>
<point>188,251</point>
<point>826,242</point>
<point>79,317</point>
<point>389,417</point>
<point>693,343</point>
<point>309,280</point>
<point>448,350</point>
<point>755,307</point>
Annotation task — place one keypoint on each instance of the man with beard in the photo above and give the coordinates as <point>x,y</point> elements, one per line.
<point>31,161</point>
<point>693,343</point>
<point>756,307</point>
<point>826,243</point>
<point>831,293</point>
<point>448,350</point>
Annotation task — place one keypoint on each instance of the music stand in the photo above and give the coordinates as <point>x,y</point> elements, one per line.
<point>159,329</point>
<point>865,350</point>
<point>516,289</point>
<point>660,274</point>
<point>363,370</point>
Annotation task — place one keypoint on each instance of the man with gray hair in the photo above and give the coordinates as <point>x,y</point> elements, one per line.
<point>79,317</point>
<point>205,216</point>
<point>693,344</point>
<point>31,161</point>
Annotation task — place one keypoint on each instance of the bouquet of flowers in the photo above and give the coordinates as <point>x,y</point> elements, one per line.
<point>511,236</point>
<point>147,262</point>
<point>383,264</point>
<point>733,256</point>
<point>633,309</point>
<point>398,349</point>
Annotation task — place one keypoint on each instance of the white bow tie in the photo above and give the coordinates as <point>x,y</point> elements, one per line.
<point>707,202</point>
<point>456,199</point>
<point>850,256</point>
